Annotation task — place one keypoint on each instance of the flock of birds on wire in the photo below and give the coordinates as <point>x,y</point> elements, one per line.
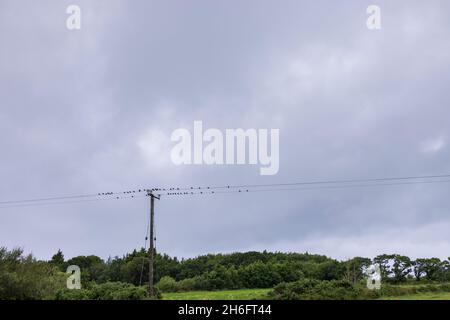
<point>226,189</point>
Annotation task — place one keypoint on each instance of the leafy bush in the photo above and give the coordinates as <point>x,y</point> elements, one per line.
<point>105,291</point>
<point>399,290</point>
<point>23,277</point>
<point>312,289</point>
<point>66,294</point>
<point>194,284</point>
<point>167,284</point>
<point>117,291</point>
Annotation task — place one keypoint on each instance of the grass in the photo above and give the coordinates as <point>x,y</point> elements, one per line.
<point>243,294</point>
<point>421,296</point>
<point>259,294</point>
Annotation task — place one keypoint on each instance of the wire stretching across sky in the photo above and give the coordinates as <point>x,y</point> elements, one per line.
<point>272,189</point>
<point>298,183</point>
<point>199,190</point>
<point>71,197</point>
<point>50,203</point>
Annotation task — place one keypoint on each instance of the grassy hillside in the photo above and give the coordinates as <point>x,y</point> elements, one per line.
<point>243,294</point>
<point>399,292</point>
<point>422,296</point>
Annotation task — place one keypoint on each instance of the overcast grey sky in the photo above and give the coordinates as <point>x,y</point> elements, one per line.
<point>92,110</point>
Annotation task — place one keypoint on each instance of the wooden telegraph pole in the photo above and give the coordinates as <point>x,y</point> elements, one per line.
<point>151,281</point>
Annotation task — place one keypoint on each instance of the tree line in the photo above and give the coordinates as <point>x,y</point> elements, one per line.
<point>23,276</point>
<point>250,269</point>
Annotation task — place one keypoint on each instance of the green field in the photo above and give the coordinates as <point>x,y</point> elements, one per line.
<point>255,294</point>
<point>244,294</point>
<point>422,296</point>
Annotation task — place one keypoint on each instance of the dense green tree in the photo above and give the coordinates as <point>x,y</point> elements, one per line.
<point>354,269</point>
<point>92,267</point>
<point>259,275</point>
<point>58,260</point>
<point>134,268</point>
<point>23,277</point>
<point>385,263</point>
<point>418,269</point>
<point>394,267</point>
<point>166,266</point>
<point>330,270</point>
<point>443,275</point>
<point>401,267</point>
<point>429,267</point>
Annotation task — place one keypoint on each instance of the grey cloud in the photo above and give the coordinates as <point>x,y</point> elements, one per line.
<point>91,111</point>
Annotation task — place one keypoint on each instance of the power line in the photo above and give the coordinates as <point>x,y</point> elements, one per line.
<point>79,196</point>
<point>49,199</point>
<point>199,190</point>
<point>250,190</point>
<point>305,183</point>
<point>13,205</point>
